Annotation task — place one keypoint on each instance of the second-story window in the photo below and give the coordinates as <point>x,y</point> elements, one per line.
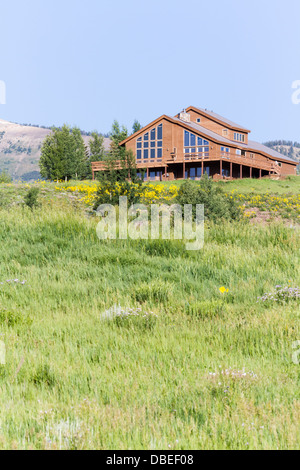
<point>239,137</point>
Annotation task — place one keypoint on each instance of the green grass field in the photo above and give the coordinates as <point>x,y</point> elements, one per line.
<point>290,185</point>
<point>212,371</point>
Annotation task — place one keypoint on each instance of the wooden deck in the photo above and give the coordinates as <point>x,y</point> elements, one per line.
<point>256,162</point>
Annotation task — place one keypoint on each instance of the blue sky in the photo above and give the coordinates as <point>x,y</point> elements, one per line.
<point>90,62</point>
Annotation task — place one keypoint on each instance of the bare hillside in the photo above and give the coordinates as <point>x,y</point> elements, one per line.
<point>20,149</point>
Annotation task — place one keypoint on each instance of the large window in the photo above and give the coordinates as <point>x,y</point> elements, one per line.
<point>149,147</point>
<point>195,146</point>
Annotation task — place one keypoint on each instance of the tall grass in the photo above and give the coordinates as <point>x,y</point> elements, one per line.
<point>74,381</point>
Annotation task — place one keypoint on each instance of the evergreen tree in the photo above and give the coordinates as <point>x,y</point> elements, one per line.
<point>96,145</point>
<point>136,127</point>
<point>118,134</point>
<point>63,155</point>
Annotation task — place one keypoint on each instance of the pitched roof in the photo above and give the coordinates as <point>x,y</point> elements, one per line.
<point>255,146</point>
<point>220,119</point>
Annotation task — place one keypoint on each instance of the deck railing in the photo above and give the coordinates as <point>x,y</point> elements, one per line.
<point>231,157</point>
<point>256,161</point>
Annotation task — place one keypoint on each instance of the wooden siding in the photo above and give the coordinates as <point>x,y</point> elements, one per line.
<point>174,159</point>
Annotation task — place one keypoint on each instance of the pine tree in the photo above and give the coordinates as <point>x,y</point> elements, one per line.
<point>136,127</point>
<point>96,145</point>
<point>63,155</point>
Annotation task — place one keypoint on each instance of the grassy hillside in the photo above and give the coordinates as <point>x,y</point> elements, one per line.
<point>211,371</point>
<point>20,149</point>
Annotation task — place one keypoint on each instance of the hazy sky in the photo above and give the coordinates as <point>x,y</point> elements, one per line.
<point>90,62</point>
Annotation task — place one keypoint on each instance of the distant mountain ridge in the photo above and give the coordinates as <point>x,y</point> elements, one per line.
<point>20,149</point>
<point>286,147</point>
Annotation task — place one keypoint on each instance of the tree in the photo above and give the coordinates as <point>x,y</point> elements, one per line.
<point>64,155</point>
<point>118,134</point>
<point>78,163</point>
<point>96,145</point>
<point>136,127</point>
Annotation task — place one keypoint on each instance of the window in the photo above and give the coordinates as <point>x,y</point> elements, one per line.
<point>198,120</point>
<point>238,152</point>
<point>225,132</point>
<point>225,152</point>
<point>160,132</point>
<point>186,139</point>
<point>150,145</point>
<point>239,137</point>
<point>195,145</point>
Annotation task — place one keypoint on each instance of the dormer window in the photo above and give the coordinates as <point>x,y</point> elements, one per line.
<point>239,137</point>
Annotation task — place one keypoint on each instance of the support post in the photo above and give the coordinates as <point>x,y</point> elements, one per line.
<point>184,170</point>
<point>260,174</point>
<point>250,171</point>
<point>241,172</point>
<point>231,172</point>
<point>221,168</point>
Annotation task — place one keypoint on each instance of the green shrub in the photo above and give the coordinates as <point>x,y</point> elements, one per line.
<point>31,198</point>
<point>217,206</point>
<point>110,193</point>
<point>43,376</point>
<point>5,178</point>
<point>11,318</point>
